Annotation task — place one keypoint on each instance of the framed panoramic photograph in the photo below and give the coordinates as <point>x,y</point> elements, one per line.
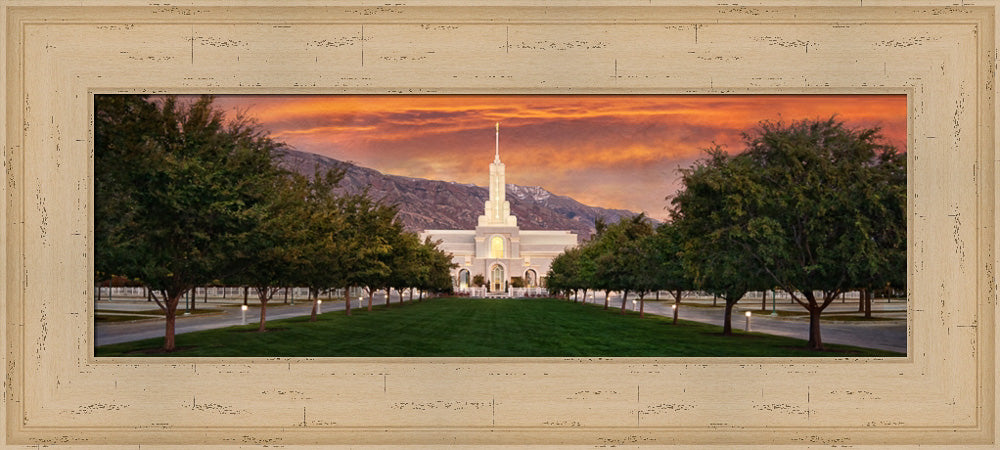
<point>432,223</point>
<point>369,198</point>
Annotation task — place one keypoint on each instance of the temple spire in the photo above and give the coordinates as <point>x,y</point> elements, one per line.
<point>496,158</point>
<point>497,208</point>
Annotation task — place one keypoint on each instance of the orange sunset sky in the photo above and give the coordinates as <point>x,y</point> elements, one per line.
<point>610,151</point>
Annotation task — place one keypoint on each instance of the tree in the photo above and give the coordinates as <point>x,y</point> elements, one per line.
<point>121,126</point>
<point>399,256</point>
<point>406,263</point>
<point>816,207</point>
<point>881,216</point>
<point>667,263</point>
<point>324,221</point>
<point>619,257</point>
<point>593,249</point>
<point>275,249</point>
<point>563,271</point>
<point>478,280</point>
<point>188,193</point>
<point>360,246</point>
<point>719,198</point>
<point>437,277</point>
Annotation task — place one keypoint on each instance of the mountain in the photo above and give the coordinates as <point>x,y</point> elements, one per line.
<point>444,205</point>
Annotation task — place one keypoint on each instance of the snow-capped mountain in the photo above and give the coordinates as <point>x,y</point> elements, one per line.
<point>443,205</point>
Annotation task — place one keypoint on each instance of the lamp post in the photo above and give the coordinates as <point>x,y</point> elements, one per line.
<point>748,321</point>
<point>243,312</point>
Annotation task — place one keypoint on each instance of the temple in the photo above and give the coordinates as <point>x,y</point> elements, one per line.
<point>497,249</point>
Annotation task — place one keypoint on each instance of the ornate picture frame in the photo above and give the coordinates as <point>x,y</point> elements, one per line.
<point>60,54</point>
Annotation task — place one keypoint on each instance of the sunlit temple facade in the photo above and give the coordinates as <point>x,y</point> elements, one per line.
<point>497,248</point>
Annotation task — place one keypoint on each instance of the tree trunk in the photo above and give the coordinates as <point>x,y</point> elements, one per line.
<point>371,298</point>
<point>264,295</point>
<point>642,305</point>
<point>286,296</point>
<point>727,325</point>
<point>411,294</point>
<point>763,301</point>
<point>171,319</point>
<point>868,304</point>
<point>194,297</point>
<point>815,341</point>
<point>263,316</point>
<point>861,299</point>
<point>246,290</point>
<point>99,286</point>
<point>314,293</point>
<point>205,298</point>
<point>168,339</point>
<point>715,299</point>
<point>607,294</point>
<point>421,297</point>
<point>347,301</point>
<point>677,304</point>
<point>624,298</point>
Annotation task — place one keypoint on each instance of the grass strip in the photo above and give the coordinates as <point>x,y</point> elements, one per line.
<point>453,327</point>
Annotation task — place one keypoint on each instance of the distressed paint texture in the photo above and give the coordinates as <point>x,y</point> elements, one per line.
<point>57,393</point>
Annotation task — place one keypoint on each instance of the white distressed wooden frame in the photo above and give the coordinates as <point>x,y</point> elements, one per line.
<point>58,54</point>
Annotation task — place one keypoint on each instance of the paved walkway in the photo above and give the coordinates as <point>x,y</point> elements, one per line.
<point>117,332</point>
<point>884,335</point>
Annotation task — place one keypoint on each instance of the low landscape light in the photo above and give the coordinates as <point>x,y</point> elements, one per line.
<point>243,313</point>
<point>319,306</point>
<point>748,321</point>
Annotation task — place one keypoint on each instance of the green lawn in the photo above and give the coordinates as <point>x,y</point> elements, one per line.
<point>481,327</point>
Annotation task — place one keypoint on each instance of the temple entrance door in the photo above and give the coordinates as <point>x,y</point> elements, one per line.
<point>530,278</point>
<point>496,284</point>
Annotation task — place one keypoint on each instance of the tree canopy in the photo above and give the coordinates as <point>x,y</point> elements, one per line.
<point>186,196</point>
<point>811,207</point>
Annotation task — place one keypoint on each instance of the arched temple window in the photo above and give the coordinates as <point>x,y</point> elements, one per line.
<point>496,247</point>
<point>463,278</point>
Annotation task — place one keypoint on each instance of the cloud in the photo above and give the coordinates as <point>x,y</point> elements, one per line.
<point>606,150</point>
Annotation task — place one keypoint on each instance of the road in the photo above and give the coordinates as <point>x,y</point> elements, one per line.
<point>884,335</point>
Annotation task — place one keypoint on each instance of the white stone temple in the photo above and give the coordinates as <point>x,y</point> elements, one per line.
<point>497,248</point>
